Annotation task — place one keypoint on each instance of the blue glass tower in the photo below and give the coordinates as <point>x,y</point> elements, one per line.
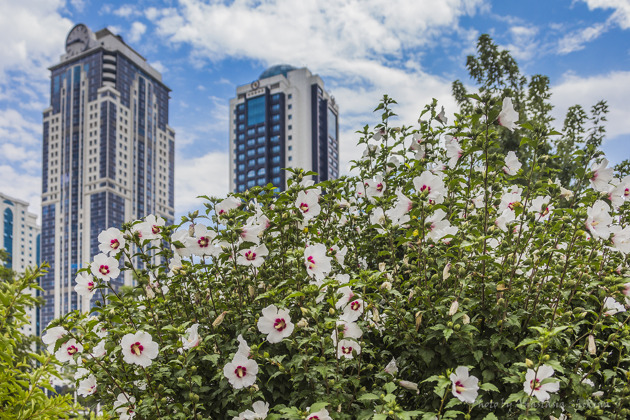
<point>285,119</point>
<point>108,156</point>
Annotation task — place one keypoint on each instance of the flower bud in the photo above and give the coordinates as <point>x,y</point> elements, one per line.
<point>386,286</point>
<point>302,323</point>
<point>446,272</point>
<point>529,363</point>
<point>381,267</point>
<point>465,319</point>
<point>409,385</point>
<point>219,319</point>
<point>591,344</point>
<point>454,306</point>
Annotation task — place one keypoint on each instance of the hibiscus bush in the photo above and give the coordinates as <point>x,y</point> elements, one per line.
<point>445,280</point>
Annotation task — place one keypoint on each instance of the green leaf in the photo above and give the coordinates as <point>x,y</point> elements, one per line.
<point>486,386</point>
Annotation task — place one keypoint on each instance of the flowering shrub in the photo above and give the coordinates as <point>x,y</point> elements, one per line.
<point>444,280</point>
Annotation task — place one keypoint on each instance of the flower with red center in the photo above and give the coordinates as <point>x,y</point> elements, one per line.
<point>308,204</point>
<point>111,241</point>
<point>87,386</point>
<point>139,348</point>
<point>431,185</point>
<point>253,256</point>
<point>85,285</point>
<point>345,348</point>
<point>241,372</point>
<point>598,219</point>
<point>124,406</point>
<point>67,351</point>
<point>104,267</point>
<point>52,336</point>
<point>317,262</point>
<point>226,205</point>
<point>375,187</point>
<point>601,176</point>
<point>346,329</point>
<point>201,242</point>
<point>465,386</point>
<point>533,383</point>
<point>541,208</point>
<point>276,323</point>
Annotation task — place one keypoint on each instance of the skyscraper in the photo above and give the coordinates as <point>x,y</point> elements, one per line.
<point>284,119</point>
<point>108,156</point>
<point>20,239</point>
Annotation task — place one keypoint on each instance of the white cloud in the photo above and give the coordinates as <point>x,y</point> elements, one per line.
<point>159,66</point>
<point>576,40</point>
<point>203,175</point>
<point>524,45</point>
<point>79,5</point>
<point>137,30</point>
<point>15,128</point>
<point>126,11</point>
<point>621,14</point>
<point>613,87</point>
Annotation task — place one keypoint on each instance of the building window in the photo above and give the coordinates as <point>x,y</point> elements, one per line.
<point>275,108</point>
<point>261,160</point>
<point>251,142</point>
<point>290,116</point>
<point>262,171</point>
<point>251,183</point>
<point>290,158</point>
<point>261,140</point>
<point>241,136</point>
<point>241,157</point>
<point>241,188</point>
<point>241,167</point>
<point>275,149</point>
<point>241,117</point>
<point>275,128</point>
<point>275,170</point>
<point>261,129</point>
<point>290,137</point>
<point>241,147</point>
<point>275,139</point>
<point>275,118</point>
<point>290,127</point>
<point>332,124</point>
<point>251,174</point>
<point>241,177</point>
<point>251,152</point>
<point>290,148</point>
<point>256,110</point>
<point>241,127</point>
<point>261,150</point>
<point>276,180</point>
<point>251,131</point>
<point>275,159</point>
<point>290,95</point>
<point>262,181</point>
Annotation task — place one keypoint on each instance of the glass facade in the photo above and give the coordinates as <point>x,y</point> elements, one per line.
<point>8,236</point>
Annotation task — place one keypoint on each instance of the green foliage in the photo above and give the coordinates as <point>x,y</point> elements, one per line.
<point>24,374</point>
<point>504,299</point>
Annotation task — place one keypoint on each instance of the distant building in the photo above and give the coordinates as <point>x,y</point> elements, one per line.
<point>108,156</point>
<point>285,119</point>
<point>20,239</point>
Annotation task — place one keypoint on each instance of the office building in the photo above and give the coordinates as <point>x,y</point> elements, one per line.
<point>108,156</point>
<point>285,119</point>
<point>20,240</point>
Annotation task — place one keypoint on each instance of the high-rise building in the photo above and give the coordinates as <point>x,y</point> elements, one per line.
<point>108,156</point>
<point>20,240</point>
<point>285,119</point>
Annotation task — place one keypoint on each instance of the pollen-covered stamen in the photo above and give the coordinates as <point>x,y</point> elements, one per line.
<point>114,244</point>
<point>512,205</point>
<point>250,256</point>
<point>204,241</point>
<point>156,229</point>
<point>544,212</point>
<point>626,192</point>
<point>280,324</point>
<point>355,306</point>
<point>136,348</point>
<point>72,350</point>
<point>304,207</point>
<point>459,387</point>
<point>311,262</point>
<point>90,286</point>
<point>104,270</point>
<point>346,350</point>
<point>535,384</point>
<point>221,212</point>
<point>379,187</point>
<point>240,371</point>
<point>425,188</point>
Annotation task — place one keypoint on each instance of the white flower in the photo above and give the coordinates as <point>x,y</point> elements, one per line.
<point>566,194</point>
<point>601,176</point>
<point>339,253</point>
<point>453,150</point>
<point>152,227</point>
<point>252,256</point>
<point>243,348</point>
<point>508,116</point>
<point>226,205</point>
<point>399,213</point>
<point>317,262</point>
<point>191,339</point>
<point>465,386</point>
<point>320,415</point>
<point>621,238</point>
<point>620,193</point>
<point>392,164</point>
<point>375,187</point>
<point>418,146</point>
<point>542,208</point>
<point>612,307</point>
<point>392,367</point>
<point>533,386</point>
<point>349,330</point>
<point>308,204</point>
<point>201,241</point>
<point>506,217</point>
<point>99,349</point>
<point>598,219</point>
<point>66,352</point>
<point>430,184</point>
<point>87,386</point>
<point>241,372</point>
<point>85,285</point>
<point>346,347</point>
<point>111,241</point>
<point>105,268</point>
<point>353,310</point>
<point>261,409</point>
<point>139,348</point>
<point>592,349</point>
<point>377,217</point>
<point>51,337</point>
<point>125,407</point>
<point>510,199</point>
<point>276,323</point>
<point>252,233</point>
<point>512,165</point>
<point>438,226</point>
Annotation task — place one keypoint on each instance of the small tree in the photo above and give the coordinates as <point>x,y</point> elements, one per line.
<point>24,374</point>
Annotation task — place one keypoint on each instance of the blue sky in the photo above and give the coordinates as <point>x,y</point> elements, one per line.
<point>409,49</point>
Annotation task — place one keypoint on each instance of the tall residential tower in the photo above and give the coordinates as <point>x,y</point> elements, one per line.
<point>285,119</point>
<point>108,156</point>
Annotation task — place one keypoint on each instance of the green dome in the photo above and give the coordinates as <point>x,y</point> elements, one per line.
<point>282,69</point>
